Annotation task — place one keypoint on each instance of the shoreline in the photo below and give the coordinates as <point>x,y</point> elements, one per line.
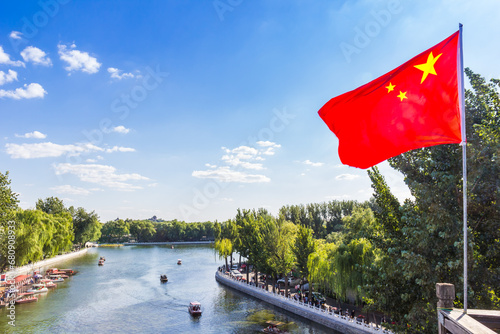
<point>26,269</point>
<point>331,320</point>
<point>208,242</point>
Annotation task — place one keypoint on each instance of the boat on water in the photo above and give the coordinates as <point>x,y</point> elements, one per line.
<point>274,327</point>
<point>100,263</point>
<point>66,272</point>
<point>179,261</point>
<point>25,300</point>
<point>102,258</point>
<point>56,278</point>
<point>69,272</point>
<point>194,308</point>
<point>163,278</point>
<point>38,288</point>
<point>24,294</point>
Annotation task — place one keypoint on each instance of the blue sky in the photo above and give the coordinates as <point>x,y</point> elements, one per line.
<point>191,109</point>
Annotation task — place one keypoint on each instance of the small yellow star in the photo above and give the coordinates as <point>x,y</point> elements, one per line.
<point>428,67</point>
<point>402,95</point>
<point>390,88</point>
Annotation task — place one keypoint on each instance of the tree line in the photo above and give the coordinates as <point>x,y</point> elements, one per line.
<point>119,230</point>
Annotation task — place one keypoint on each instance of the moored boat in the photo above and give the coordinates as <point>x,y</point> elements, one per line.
<point>38,289</point>
<point>194,308</point>
<point>25,300</point>
<point>69,272</point>
<point>56,278</point>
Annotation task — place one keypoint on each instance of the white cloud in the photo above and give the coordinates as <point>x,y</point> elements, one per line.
<point>78,60</point>
<point>36,56</point>
<point>314,164</point>
<point>115,74</point>
<point>240,157</point>
<point>225,174</point>
<point>347,177</point>
<point>5,59</point>
<point>100,174</point>
<point>7,77</point>
<point>30,91</point>
<point>120,129</point>
<point>270,147</point>
<point>48,149</point>
<point>91,160</point>
<point>267,143</point>
<point>34,134</point>
<point>119,149</point>
<point>68,189</point>
<point>15,34</point>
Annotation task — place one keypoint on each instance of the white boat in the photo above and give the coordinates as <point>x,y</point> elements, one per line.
<point>36,290</point>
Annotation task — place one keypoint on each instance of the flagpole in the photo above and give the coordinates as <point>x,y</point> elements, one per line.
<point>464,161</point>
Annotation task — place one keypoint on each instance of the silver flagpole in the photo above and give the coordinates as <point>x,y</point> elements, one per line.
<point>464,160</point>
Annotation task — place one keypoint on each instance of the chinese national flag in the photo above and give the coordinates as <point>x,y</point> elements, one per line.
<point>415,105</point>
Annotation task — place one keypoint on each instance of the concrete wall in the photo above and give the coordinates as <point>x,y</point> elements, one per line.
<point>28,269</point>
<point>330,320</point>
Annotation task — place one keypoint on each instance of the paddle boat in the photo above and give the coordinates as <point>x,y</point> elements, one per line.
<point>69,272</point>
<point>163,278</point>
<point>48,283</point>
<point>195,308</point>
<point>25,300</point>
<point>56,278</point>
<point>100,263</point>
<point>38,288</point>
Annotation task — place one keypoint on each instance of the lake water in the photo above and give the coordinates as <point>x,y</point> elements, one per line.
<point>126,296</point>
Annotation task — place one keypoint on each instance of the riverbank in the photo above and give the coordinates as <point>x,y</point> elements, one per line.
<point>29,268</point>
<point>168,243</point>
<point>331,320</point>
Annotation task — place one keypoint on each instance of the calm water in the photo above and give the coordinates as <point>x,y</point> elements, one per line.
<point>126,296</point>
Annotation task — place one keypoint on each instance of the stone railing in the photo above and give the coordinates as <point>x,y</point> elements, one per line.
<point>322,316</point>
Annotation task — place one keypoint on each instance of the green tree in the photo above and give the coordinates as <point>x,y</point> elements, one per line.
<point>114,231</point>
<point>8,205</point>
<point>86,225</point>
<point>51,205</point>
<point>224,248</point>
<point>304,246</point>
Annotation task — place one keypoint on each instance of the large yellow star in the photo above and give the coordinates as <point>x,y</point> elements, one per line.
<point>390,88</point>
<point>428,67</point>
<point>402,95</point>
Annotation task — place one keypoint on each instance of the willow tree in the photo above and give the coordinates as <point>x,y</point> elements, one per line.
<point>8,205</point>
<point>224,248</point>
<point>279,242</point>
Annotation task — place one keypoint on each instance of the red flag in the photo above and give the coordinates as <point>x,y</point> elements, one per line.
<point>415,105</point>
